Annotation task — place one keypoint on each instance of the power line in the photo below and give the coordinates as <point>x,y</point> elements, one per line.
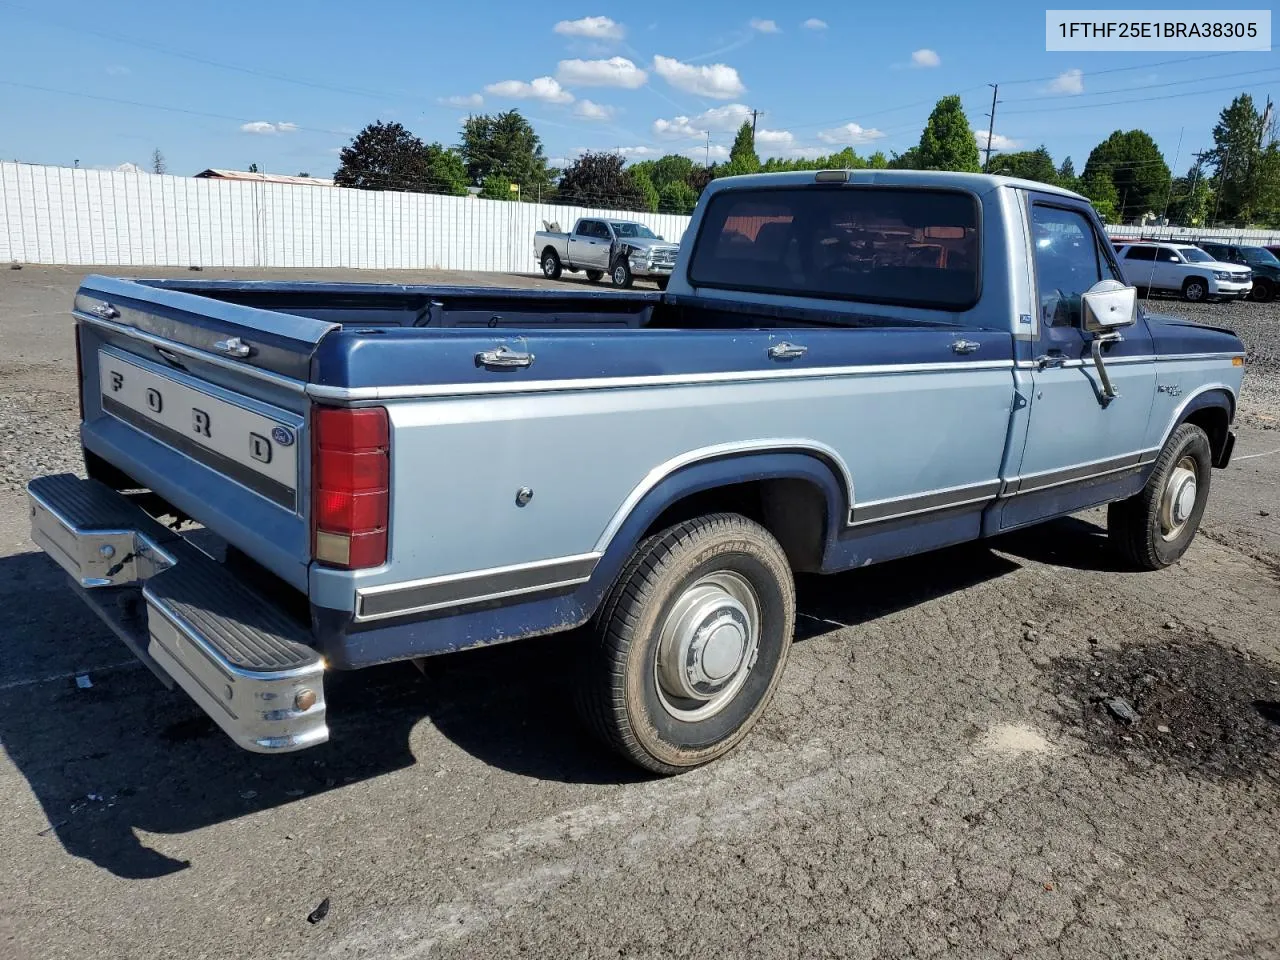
<point>1151,86</point>
<point>1140,66</point>
<point>1112,103</point>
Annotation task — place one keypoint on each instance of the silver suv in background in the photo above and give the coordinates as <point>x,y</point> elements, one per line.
<point>1184,269</point>
<point>622,250</point>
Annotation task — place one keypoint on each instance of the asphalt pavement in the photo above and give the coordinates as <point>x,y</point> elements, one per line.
<point>939,774</point>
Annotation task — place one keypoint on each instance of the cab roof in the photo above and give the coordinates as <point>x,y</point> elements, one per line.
<point>978,183</point>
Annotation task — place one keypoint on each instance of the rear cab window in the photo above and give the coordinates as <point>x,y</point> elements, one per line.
<point>890,245</point>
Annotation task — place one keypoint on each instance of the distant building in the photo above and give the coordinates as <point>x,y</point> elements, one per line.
<point>212,174</point>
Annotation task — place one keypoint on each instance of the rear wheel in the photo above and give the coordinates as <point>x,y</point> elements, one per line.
<point>1263,291</point>
<point>551,267</point>
<point>1195,290</point>
<point>620,274</point>
<point>595,276</point>
<point>691,643</point>
<point>1154,528</point>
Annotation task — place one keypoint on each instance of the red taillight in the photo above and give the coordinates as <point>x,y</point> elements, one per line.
<point>350,486</point>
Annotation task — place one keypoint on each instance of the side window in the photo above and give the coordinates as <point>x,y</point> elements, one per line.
<point>1141,253</point>
<point>1066,262</point>
<point>589,228</point>
<point>1169,256</point>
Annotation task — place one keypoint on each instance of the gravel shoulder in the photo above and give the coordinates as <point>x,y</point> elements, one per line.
<point>939,774</point>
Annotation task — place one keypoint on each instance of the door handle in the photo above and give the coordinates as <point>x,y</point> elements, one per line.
<point>965,346</point>
<point>106,311</point>
<point>1053,359</point>
<point>787,351</point>
<point>503,358</point>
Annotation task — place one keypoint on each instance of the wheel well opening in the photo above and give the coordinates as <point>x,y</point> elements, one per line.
<point>793,511</point>
<point>551,250</point>
<point>1215,422</point>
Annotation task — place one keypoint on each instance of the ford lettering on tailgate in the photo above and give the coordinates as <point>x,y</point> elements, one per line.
<point>250,448</point>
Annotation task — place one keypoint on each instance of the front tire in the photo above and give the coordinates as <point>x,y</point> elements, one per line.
<point>1154,528</point>
<point>1195,290</point>
<point>620,274</point>
<point>551,267</point>
<point>1263,291</point>
<point>690,644</point>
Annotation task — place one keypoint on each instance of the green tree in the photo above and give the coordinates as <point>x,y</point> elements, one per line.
<point>909,159</point>
<point>496,187</point>
<point>878,161</point>
<point>253,168</point>
<point>1067,175</point>
<point>1237,149</point>
<point>386,156</point>
<point>1191,199</point>
<point>506,145</point>
<point>647,190</point>
<point>599,180</point>
<point>158,164</point>
<point>1101,191</point>
<point>1132,162</point>
<point>1028,164</point>
<point>677,197</point>
<point>1267,203</point>
<point>672,168</point>
<point>947,142</point>
<point>742,155</point>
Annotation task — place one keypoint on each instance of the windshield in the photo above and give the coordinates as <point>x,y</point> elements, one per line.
<point>1258,255</point>
<point>1195,255</point>
<point>634,230</point>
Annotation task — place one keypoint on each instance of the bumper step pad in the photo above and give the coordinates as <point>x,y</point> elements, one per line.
<point>235,652</point>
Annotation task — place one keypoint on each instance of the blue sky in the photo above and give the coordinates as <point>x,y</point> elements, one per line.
<point>286,86</point>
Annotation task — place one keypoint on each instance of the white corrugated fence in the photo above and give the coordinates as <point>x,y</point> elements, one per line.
<point>61,215</point>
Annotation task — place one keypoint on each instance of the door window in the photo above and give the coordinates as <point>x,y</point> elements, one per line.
<point>1141,253</point>
<point>593,229</point>
<point>1168,256</point>
<point>1066,262</point>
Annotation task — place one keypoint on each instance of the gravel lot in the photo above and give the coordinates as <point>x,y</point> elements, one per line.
<point>939,774</point>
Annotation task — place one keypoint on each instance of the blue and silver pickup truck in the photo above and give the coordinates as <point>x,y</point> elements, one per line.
<point>847,367</point>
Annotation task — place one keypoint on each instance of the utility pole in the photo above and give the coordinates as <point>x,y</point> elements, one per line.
<point>753,125</point>
<point>1222,179</point>
<point>708,163</point>
<point>991,128</point>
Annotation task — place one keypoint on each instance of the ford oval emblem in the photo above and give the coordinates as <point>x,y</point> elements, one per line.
<point>282,436</point>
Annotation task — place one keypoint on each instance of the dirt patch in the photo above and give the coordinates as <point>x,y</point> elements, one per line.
<point>1196,706</point>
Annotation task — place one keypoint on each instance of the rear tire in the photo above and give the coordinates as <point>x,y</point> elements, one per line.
<point>1263,291</point>
<point>690,644</point>
<point>1195,290</point>
<point>551,267</point>
<point>1154,528</point>
<point>620,273</point>
<point>595,276</point>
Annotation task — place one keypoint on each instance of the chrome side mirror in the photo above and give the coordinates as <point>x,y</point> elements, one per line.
<point>1109,305</point>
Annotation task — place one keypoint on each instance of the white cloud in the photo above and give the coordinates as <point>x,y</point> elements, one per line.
<point>1070,82</point>
<point>764,26</point>
<point>117,70</point>
<point>679,128</point>
<point>774,137</point>
<point>614,72</point>
<point>590,110</point>
<point>925,58</point>
<point>717,81</point>
<point>699,154</point>
<point>729,117</point>
<point>850,135</point>
<point>998,140</point>
<point>463,100</point>
<point>813,23</point>
<point>545,89</point>
<point>630,152</point>
<point>807,153</point>
<point>267,128</point>
<point>593,28</point>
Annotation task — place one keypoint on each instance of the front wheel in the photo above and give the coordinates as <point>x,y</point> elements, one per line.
<point>1195,290</point>
<point>690,644</point>
<point>1154,528</point>
<point>551,265</point>
<point>620,275</point>
<point>595,275</point>
<point>1263,291</point>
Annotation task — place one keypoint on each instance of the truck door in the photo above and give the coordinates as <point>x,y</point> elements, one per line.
<point>1078,438</point>
<point>589,245</point>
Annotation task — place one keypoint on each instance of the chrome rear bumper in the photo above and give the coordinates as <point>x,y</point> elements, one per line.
<point>234,651</point>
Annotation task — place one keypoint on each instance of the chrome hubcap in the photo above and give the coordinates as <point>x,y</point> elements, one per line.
<point>708,644</point>
<point>1179,499</point>
<point>619,276</point>
<point>548,266</point>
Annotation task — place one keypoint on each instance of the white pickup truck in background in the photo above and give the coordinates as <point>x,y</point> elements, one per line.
<point>623,249</point>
